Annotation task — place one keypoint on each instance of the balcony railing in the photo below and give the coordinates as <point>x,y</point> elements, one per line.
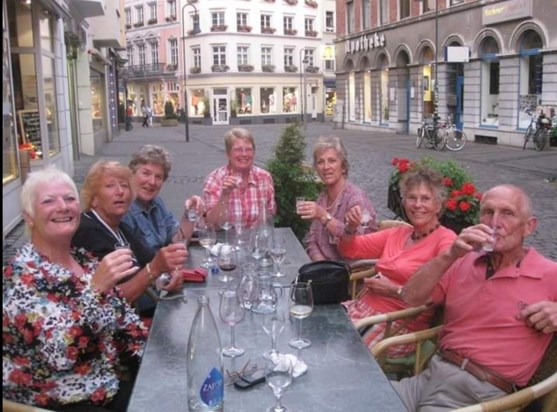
<point>149,70</point>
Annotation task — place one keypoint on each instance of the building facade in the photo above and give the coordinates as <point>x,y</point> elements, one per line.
<point>488,64</point>
<point>240,61</point>
<point>57,87</point>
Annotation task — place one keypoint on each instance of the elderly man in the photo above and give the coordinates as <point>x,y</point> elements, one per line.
<point>500,308</point>
<point>238,189</point>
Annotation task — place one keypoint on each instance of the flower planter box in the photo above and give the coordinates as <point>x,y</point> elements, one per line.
<point>267,30</point>
<point>219,68</point>
<point>195,70</point>
<point>245,68</point>
<point>221,27</point>
<point>312,69</point>
<point>244,29</point>
<point>169,122</point>
<point>311,33</point>
<point>290,69</point>
<point>291,32</point>
<point>268,68</point>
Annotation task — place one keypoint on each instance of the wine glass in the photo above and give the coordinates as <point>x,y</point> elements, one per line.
<point>227,261</point>
<point>207,238</point>
<point>231,313</point>
<point>225,222</point>
<point>301,306</point>
<point>273,325</point>
<point>260,246</point>
<point>278,377</point>
<point>278,253</point>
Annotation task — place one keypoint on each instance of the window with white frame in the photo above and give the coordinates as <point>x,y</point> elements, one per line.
<point>366,14</point>
<point>173,47</point>
<point>266,56</point>
<point>130,55</point>
<point>139,14</point>
<point>243,55</point>
<point>308,57</point>
<point>329,57</point>
<point>154,52</point>
<point>153,11</point>
<point>265,21</point>
<point>241,19</point>
<point>404,7</point>
<point>489,50</point>
<point>383,12</point>
<point>141,53</point>
<point>217,18</point>
<point>288,23</point>
<point>309,24</point>
<point>171,8</point>
<point>219,55</point>
<point>330,21</point>
<point>196,52</point>
<point>288,56</point>
<point>128,13</point>
<point>350,26</point>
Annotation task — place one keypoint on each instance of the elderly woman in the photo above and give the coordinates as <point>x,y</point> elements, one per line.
<point>400,250</point>
<point>340,195</point>
<point>148,214</point>
<point>65,322</point>
<point>107,196</point>
<point>239,188</point>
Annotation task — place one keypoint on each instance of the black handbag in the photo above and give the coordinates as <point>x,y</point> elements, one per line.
<point>329,280</point>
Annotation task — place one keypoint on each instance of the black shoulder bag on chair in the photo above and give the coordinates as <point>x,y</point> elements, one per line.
<point>329,280</point>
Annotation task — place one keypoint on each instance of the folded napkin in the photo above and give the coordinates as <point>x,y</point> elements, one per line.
<point>299,367</point>
<point>215,249</point>
<point>194,275</point>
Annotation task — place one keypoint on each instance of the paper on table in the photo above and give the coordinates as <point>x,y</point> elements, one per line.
<point>299,367</point>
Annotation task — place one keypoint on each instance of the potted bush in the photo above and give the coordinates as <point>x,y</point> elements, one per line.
<point>169,118</point>
<point>462,205</point>
<point>292,179</point>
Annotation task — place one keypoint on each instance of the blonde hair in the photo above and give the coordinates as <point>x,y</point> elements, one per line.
<point>94,178</point>
<point>331,142</point>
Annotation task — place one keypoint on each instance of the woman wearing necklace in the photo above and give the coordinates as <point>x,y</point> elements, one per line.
<point>339,196</point>
<point>400,252</point>
<point>106,196</point>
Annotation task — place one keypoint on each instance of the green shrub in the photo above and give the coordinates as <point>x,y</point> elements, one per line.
<point>169,112</point>
<point>292,179</point>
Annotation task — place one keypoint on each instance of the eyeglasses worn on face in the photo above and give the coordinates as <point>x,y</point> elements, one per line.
<point>244,150</point>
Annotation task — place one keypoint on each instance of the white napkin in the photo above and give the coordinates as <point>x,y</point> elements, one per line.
<point>215,249</point>
<point>299,367</point>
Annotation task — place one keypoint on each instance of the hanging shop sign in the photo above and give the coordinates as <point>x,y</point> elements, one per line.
<point>365,43</point>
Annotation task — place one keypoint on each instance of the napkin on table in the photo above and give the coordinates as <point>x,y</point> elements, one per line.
<point>299,367</point>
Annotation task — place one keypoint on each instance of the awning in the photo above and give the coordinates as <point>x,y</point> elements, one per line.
<point>98,55</point>
<point>89,8</point>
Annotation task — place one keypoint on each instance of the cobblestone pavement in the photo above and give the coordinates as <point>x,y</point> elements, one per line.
<point>370,155</point>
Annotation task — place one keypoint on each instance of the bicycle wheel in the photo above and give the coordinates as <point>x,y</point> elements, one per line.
<point>439,138</point>
<point>456,139</point>
<point>420,137</point>
<point>528,135</point>
<point>540,138</point>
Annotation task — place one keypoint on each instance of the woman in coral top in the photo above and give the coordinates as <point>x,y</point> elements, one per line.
<point>401,251</point>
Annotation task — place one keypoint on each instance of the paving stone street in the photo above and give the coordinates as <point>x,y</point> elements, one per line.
<point>370,155</point>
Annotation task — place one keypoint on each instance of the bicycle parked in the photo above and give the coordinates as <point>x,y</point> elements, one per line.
<point>434,137</point>
<point>537,131</point>
<point>455,139</point>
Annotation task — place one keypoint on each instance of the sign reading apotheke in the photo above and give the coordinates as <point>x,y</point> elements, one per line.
<point>507,10</point>
<point>365,43</point>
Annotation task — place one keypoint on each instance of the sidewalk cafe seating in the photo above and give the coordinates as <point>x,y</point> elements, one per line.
<point>542,387</point>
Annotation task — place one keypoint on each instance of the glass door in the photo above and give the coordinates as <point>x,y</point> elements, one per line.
<point>220,109</point>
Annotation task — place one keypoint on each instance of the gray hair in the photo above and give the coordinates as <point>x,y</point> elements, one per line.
<point>237,133</point>
<point>152,154</point>
<point>423,175</point>
<point>36,180</point>
<point>331,142</point>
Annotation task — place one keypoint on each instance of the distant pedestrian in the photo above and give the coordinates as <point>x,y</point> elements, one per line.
<point>145,113</point>
<point>149,116</point>
<point>129,114</point>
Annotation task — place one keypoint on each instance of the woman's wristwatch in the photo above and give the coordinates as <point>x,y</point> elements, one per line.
<point>326,219</point>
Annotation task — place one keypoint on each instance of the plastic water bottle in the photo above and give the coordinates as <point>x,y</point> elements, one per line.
<point>204,361</point>
<point>214,270</point>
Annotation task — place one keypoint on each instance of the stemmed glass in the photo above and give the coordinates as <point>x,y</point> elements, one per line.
<point>273,325</point>
<point>231,313</point>
<point>301,306</point>
<point>225,222</point>
<point>260,246</point>
<point>278,253</point>
<point>278,377</point>
<point>227,261</point>
<point>207,238</point>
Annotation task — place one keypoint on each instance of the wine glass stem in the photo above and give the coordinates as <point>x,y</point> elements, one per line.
<point>300,330</point>
<point>232,337</point>
<point>208,254</point>
<point>278,407</point>
<point>273,344</point>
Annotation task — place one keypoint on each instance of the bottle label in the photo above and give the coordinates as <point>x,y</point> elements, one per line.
<point>212,390</point>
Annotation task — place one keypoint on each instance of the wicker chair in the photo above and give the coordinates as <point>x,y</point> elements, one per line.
<point>542,387</point>
<point>364,268</point>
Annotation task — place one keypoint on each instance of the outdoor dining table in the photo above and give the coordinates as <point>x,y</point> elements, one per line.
<point>341,375</point>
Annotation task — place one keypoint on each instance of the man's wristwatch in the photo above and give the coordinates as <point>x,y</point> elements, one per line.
<point>326,219</point>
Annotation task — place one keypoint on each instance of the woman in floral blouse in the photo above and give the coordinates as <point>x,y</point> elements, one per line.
<point>65,324</point>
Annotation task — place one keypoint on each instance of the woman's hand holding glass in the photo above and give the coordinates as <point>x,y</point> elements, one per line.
<point>113,268</point>
<point>278,377</point>
<point>353,218</point>
<point>231,312</point>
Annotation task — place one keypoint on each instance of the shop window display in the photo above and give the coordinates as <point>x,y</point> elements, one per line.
<point>244,101</point>
<point>268,100</point>
<point>289,99</point>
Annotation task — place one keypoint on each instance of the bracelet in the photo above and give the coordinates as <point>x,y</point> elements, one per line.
<point>149,273</point>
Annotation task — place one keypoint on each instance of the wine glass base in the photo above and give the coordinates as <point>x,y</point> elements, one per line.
<point>232,352</point>
<point>275,408</point>
<point>270,354</point>
<point>299,343</point>
<point>225,278</point>
<point>279,275</point>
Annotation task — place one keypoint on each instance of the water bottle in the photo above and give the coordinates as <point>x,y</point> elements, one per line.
<point>204,361</point>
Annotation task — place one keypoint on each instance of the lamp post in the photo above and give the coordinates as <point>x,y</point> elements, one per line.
<point>302,86</point>
<point>436,85</point>
<point>195,30</point>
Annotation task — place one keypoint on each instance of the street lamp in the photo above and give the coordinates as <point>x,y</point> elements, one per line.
<point>194,31</point>
<point>302,86</point>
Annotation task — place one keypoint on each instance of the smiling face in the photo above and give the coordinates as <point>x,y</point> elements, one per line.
<point>329,167</point>
<point>56,213</point>
<point>147,181</point>
<point>422,206</point>
<point>113,199</point>
<point>241,155</point>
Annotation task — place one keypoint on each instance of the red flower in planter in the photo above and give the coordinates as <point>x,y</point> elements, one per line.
<point>447,181</point>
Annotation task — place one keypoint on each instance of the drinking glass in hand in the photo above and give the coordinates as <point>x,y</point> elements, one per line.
<point>231,313</point>
<point>207,238</point>
<point>273,325</point>
<point>301,306</point>
<point>278,377</point>
<point>227,260</point>
<point>299,201</point>
<point>366,217</point>
<point>278,253</point>
<point>126,245</point>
